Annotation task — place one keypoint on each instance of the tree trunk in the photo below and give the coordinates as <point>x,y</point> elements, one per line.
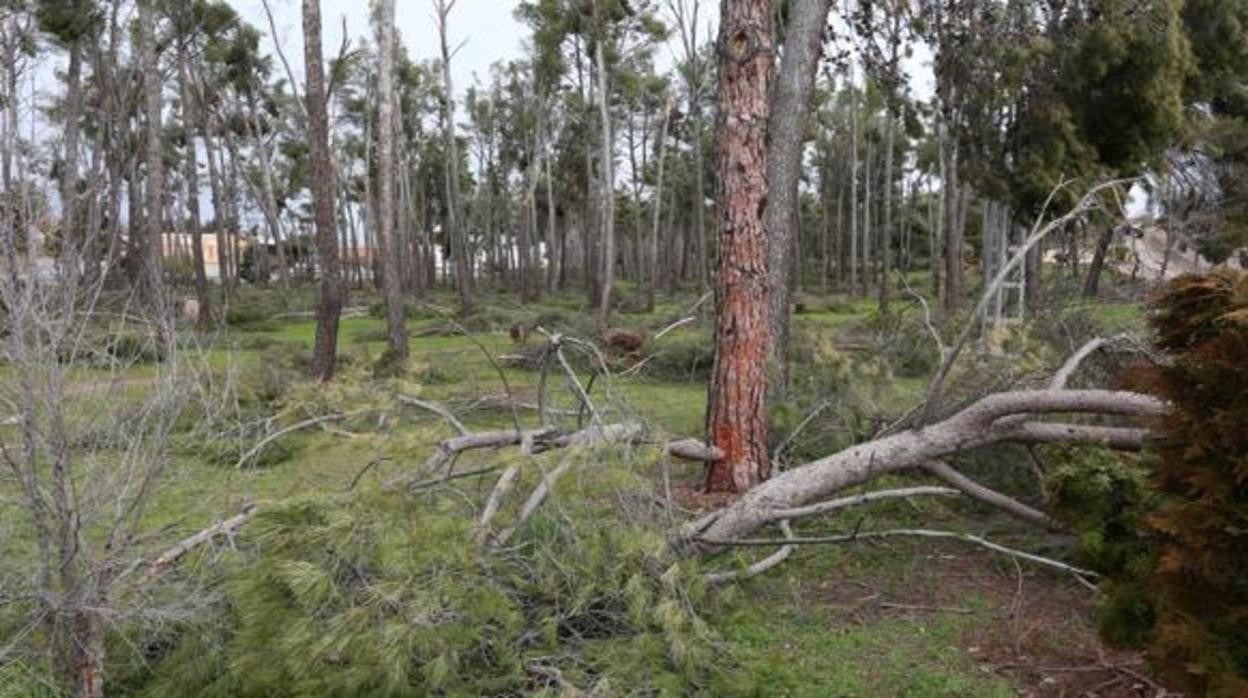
<point>460,248</point>
<point>853,195</point>
<point>608,185</point>
<point>204,317</point>
<point>790,106</point>
<point>652,259</point>
<point>1092,285</point>
<point>154,155</point>
<point>325,348</point>
<point>736,410</point>
<point>391,281</point>
<point>71,226</point>
<point>886,233</point>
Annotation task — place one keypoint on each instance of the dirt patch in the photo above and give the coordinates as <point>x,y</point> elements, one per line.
<point>1035,629</point>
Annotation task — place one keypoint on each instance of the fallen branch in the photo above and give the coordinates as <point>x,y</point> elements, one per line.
<point>694,450</point>
<point>438,410</point>
<point>760,567</point>
<point>859,500</point>
<point>983,423</point>
<point>912,532</point>
<point>501,488</point>
<point>255,450</point>
<point>988,496</point>
<point>228,527</point>
<point>533,441</point>
<point>674,326</point>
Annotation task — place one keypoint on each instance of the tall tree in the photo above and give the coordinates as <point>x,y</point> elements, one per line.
<point>329,308</point>
<point>154,152</point>
<point>461,250</point>
<point>736,409</point>
<point>391,283</point>
<point>790,107</point>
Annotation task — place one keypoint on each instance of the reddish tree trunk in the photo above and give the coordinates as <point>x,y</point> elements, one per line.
<point>736,411</point>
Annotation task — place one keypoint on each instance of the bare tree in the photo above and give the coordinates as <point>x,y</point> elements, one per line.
<point>329,309</point>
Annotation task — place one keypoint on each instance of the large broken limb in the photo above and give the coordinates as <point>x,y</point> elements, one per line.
<point>228,527</point>
<point>984,422</point>
<point>693,449</point>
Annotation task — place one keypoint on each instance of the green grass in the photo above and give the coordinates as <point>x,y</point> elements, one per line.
<point>784,638</point>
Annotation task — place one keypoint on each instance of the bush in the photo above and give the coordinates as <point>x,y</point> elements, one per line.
<point>1201,636</point>
<point>1171,538</point>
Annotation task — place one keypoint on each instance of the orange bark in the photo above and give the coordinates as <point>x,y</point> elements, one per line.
<point>736,411</point>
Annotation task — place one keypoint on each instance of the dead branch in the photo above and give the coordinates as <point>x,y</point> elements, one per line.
<point>983,423</point>
<point>988,496</point>
<point>501,488</point>
<point>694,450</point>
<point>438,410</point>
<point>1083,574</point>
<point>859,500</point>
<point>532,441</point>
<point>166,559</point>
<point>760,567</point>
<point>674,326</point>
<point>1089,202</point>
<point>255,450</point>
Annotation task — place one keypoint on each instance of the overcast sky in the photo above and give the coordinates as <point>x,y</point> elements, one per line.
<point>487,30</point>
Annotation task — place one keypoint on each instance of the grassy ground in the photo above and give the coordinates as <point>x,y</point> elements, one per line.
<point>896,619</point>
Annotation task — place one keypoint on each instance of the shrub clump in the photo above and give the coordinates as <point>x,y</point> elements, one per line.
<point>1170,535</point>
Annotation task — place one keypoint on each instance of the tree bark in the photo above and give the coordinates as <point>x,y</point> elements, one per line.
<point>460,249</point>
<point>154,155</point>
<point>329,308</point>
<point>652,259</point>
<point>790,107</point>
<point>191,168</point>
<point>1092,285</point>
<point>391,281</point>
<point>736,412</point>
<point>607,172</point>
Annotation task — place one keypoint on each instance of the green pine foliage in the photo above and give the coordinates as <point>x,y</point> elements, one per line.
<point>380,595</point>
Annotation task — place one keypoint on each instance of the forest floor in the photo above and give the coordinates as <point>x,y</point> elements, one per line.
<point>899,618</point>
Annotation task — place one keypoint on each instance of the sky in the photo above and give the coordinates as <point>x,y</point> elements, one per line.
<point>485,30</point>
